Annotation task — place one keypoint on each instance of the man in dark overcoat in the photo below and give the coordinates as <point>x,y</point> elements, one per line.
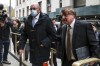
<point>40,32</point>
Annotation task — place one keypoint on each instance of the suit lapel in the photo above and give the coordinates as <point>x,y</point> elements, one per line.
<point>75,30</point>
<point>38,22</point>
<point>74,38</point>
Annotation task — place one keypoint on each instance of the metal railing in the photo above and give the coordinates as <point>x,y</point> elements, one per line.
<point>85,61</point>
<point>77,63</point>
<point>20,57</point>
<point>52,51</point>
<point>16,43</point>
<point>23,55</point>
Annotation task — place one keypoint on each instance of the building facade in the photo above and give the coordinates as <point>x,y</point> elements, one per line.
<point>22,8</point>
<point>85,9</point>
<point>6,7</point>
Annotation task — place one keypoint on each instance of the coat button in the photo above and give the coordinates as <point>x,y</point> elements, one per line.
<point>32,30</point>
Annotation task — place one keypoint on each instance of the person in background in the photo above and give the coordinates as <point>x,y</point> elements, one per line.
<point>58,34</point>
<point>78,39</point>
<point>40,32</point>
<point>94,25</point>
<point>53,44</point>
<point>1,45</point>
<point>27,48</point>
<point>53,20</point>
<point>15,29</point>
<point>5,24</point>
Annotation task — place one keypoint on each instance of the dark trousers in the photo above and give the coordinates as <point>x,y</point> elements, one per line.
<point>66,62</point>
<point>27,50</point>
<point>6,44</point>
<point>1,45</point>
<point>54,59</point>
<point>6,49</point>
<point>26,55</point>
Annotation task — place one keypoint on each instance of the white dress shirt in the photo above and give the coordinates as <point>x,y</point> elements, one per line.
<point>35,19</point>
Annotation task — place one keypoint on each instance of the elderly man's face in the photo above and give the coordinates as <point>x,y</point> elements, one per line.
<point>67,19</point>
<point>35,7</point>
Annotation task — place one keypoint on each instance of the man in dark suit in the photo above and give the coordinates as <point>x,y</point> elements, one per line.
<point>53,44</point>
<point>78,39</point>
<point>40,32</point>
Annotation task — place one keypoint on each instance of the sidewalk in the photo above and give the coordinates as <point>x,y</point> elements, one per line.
<point>13,61</point>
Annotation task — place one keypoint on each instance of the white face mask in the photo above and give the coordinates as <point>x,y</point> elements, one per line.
<point>34,13</point>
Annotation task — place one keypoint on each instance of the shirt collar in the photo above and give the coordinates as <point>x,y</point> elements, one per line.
<point>37,17</point>
<point>72,24</point>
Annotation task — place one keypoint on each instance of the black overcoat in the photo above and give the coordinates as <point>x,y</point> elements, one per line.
<point>43,34</point>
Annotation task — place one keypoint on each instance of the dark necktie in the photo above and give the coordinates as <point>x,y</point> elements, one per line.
<point>68,43</point>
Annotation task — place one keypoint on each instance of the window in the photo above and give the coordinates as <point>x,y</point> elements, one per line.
<point>40,3</point>
<point>23,12</point>
<point>16,13</point>
<point>79,3</point>
<point>27,10</point>
<point>60,3</point>
<point>19,12</point>
<point>17,2</point>
<point>23,0</point>
<point>48,6</point>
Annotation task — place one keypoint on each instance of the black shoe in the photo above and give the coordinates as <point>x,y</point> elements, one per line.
<point>1,64</point>
<point>6,62</point>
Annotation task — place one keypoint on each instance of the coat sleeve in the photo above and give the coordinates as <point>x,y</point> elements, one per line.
<point>51,35</point>
<point>23,38</point>
<point>93,42</point>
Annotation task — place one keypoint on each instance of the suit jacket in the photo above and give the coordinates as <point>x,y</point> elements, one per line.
<point>42,33</point>
<point>83,35</point>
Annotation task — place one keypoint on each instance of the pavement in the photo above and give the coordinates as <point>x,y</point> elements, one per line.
<point>13,61</point>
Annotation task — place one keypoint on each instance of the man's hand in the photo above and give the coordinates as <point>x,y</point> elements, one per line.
<point>21,51</point>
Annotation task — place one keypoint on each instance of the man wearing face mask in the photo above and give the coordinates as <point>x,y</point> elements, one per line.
<point>40,32</point>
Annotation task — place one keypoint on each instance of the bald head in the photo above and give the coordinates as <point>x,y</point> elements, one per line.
<point>35,6</point>
<point>35,9</point>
